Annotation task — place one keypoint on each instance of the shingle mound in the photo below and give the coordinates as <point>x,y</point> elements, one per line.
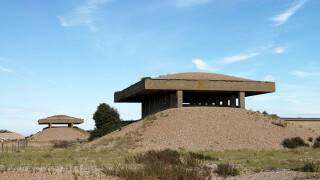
<point>202,76</point>
<point>60,133</point>
<point>10,136</point>
<point>200,128</point>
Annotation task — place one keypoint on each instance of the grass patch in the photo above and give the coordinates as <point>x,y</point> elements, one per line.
<point>162,165</point>
<point>280,123</point>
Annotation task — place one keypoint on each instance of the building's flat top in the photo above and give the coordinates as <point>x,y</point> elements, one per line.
<point>202,76</point>
<point>60,119</point>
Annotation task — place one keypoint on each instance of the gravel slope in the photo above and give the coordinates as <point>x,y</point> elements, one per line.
<point>60,133</point>
<point>215,128</point>
<point>11,136</point>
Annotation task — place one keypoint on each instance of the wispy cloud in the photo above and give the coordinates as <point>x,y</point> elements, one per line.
<point>283,17</point>
<point>269,78</point>
<point>187,3</point>
<point>278,50</point>
<point>202,65</point>
<point>82,15</point>
<point>233,59</point>
<point>244,74</point>
<point>3,69</point>
<point>302,74</point>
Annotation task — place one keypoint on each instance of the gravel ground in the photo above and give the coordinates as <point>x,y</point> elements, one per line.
<point>61,133</point>
<point>54,174</point>
<point>283,175</point>
<point>59,174</point>
<point>202,76</point>
<point>212,128</point>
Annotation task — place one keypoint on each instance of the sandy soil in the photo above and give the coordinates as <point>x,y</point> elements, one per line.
<point>214,128</point>
<point>59,133</point>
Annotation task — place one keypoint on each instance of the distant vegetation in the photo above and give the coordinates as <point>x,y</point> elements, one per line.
<point>272,116</point>
<point>144,78</point>
<point>4,131</point>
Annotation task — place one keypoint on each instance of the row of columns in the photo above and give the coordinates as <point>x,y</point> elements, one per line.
<point>69,125</point>
<point>174,99</point>
<point>217,100</point>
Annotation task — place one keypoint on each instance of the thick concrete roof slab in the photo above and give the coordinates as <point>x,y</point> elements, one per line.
<point>135,92</point>
<point>60,119</point>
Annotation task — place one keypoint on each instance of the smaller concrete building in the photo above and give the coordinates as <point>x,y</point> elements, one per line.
<point>60,119</point>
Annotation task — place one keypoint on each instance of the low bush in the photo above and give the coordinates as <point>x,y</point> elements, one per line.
<point>167,156</point>
<point>316,144</point>
<point>202,156</point>
<point>227,169</point>
<point>162,165</point>
<point>281,124</point>
<point>62,144</point>
<point>318,139</point>
<point>310,139</point>
<point>294,143</point>
<point>311,167</point>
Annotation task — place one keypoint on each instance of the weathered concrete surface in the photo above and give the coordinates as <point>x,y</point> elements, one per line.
<point>60,119</point>
<point>133,93</point>
<point>163,93</point>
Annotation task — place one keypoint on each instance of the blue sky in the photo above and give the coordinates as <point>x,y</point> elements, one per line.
<point>67,56</point>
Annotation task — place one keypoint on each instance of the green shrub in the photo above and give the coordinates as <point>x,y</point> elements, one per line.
<point>166,156</point>
<point>294,143</point>
<point>280,123</point>
<point>227,169</point>
<point>310,167</point>
<point>318,139</point>
<point>107,120</point>
<point>202,156</point>
<point>316,144</point>
<point>310,139</point>
<point>144,78</point>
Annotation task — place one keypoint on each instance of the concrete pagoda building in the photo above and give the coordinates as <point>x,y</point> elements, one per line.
<point>60,119</point>
<point>192,89</point>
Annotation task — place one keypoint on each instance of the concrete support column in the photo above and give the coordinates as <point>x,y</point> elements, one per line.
<point>225,102</point>
<point>143,109</point>
<point>179,99</point>
<point>241,99</point>
<point>176,99</point>
<point>217,101</point>
<point>50,125</point>
<point>233,100</point>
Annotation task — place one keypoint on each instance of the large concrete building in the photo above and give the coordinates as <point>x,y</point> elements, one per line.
<point>192,89</point>
<point>60,119</point>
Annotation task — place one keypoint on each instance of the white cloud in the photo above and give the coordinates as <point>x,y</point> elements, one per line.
<point>187,3</point>
<point>202,65</point>
<point>233,59</point>
<point>244,74</point>
<point>269,78</point>
<point>3,69</point>
<point>282,18</point>
<point>302,74</point>
<point>278,50</point>
<point>82,15</point>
